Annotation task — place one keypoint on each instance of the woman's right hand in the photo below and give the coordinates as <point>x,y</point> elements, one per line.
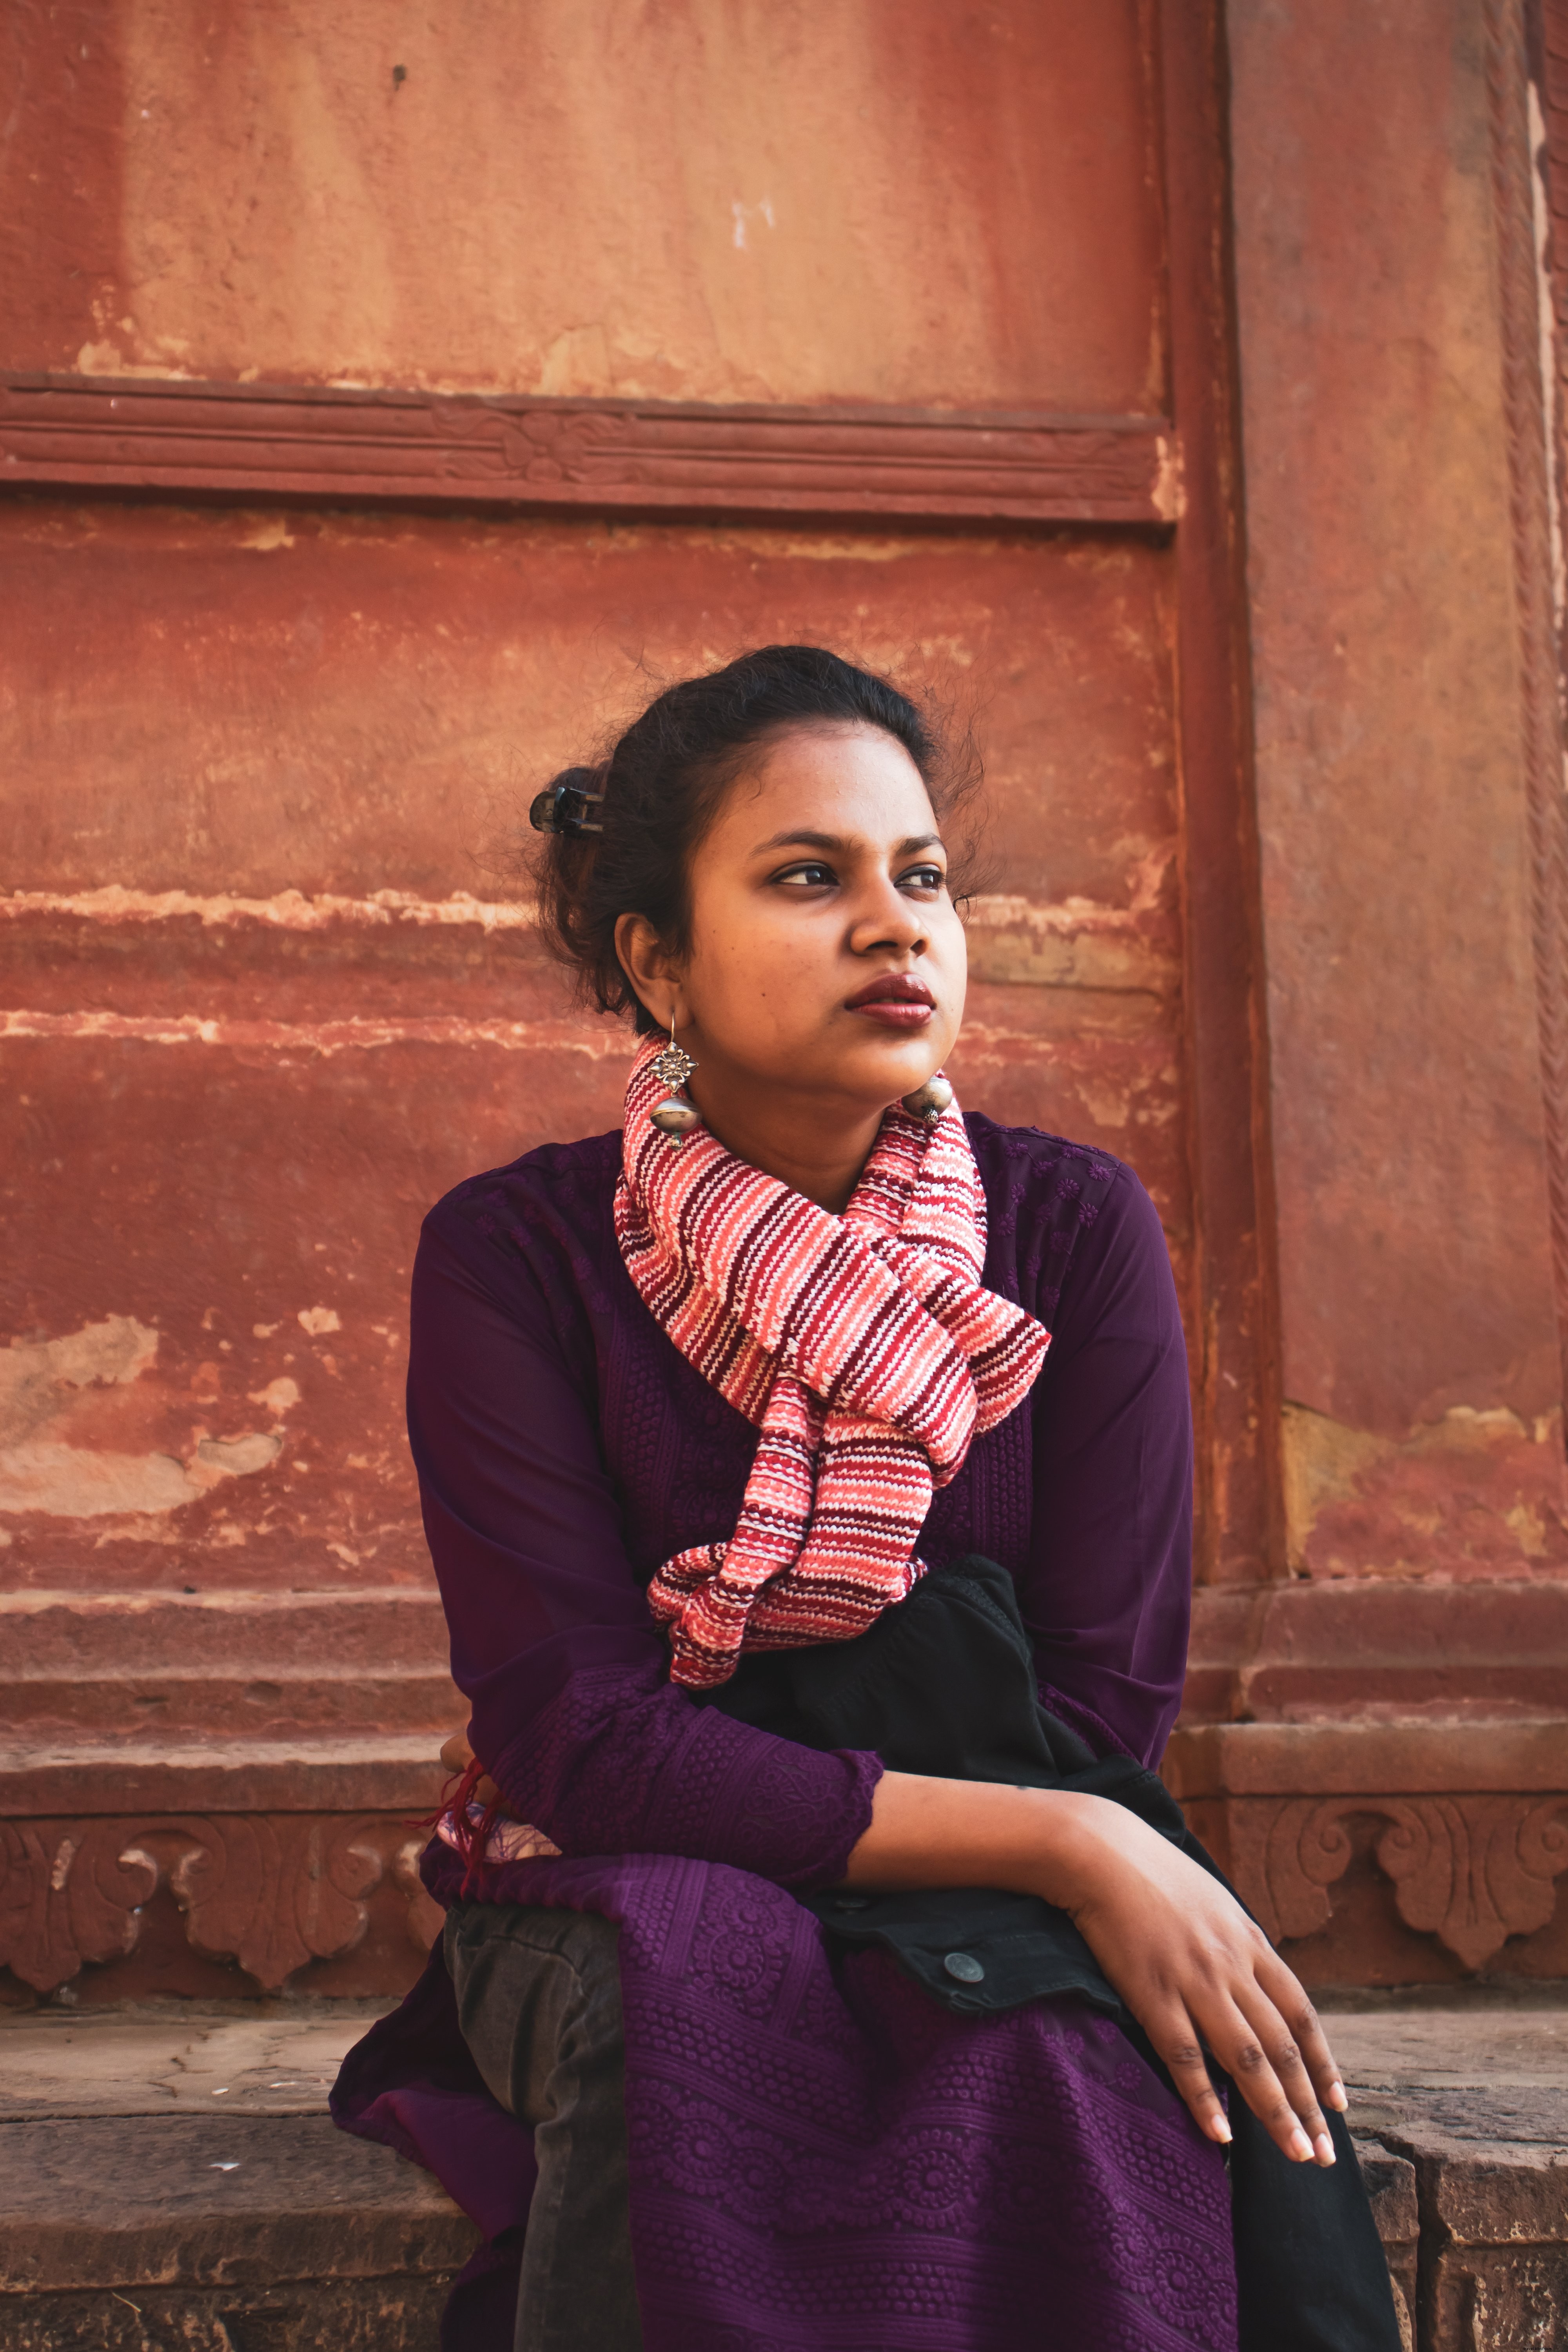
<point>1198,1973</point>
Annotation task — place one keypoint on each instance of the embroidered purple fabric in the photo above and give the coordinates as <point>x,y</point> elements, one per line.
<point>820,2156</point>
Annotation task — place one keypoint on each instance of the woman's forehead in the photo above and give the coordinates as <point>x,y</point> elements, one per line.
<point>838,783</point>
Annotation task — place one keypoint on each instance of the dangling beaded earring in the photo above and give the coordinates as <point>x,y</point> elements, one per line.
<point>674,1117</point>
<point>928,1102</point>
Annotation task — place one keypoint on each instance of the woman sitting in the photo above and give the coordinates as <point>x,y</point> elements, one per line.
<point>806,1468</point>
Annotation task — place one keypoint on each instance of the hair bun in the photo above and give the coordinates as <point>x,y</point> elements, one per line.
<point>562,806</point>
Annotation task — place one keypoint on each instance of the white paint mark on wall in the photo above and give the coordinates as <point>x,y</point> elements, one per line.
<point>267,533</point>
<point>32,1375</point>
<point>277,1396</point>
<point>316,1320</point>
<point>1168,496</point>
<point>740,214</point>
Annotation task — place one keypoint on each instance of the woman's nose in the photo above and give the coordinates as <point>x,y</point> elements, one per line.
<point>888,919</point>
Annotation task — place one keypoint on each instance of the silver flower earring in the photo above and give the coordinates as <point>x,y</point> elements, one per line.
<point>674,1117</point>
<point>928,1102</point>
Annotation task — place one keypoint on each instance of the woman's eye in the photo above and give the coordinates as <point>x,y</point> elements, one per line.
<point>922,877</point>
<point>807,878</point>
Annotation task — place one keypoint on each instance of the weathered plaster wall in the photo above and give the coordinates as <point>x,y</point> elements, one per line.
<point>786,200</point>
<point>265,994</point>
<point>1423,1432</point>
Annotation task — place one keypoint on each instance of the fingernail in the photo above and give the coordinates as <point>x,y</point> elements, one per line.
<point>1301,2147</point>
<point>1221,2130</point>
<point>1325,2149</point>
<point>1336,2097</point>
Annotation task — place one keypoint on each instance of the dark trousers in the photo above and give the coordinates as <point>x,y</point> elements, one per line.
<point>539,1997</point>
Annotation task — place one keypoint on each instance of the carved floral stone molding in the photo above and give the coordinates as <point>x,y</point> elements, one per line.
<point>272,1892</point>
<point>275,1892</point>
<point>1472,1870</point>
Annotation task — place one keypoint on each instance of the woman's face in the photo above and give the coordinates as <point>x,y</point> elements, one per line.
<point>826,956</point>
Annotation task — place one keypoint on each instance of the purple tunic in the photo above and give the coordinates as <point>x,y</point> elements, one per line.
<point>820,2156</point>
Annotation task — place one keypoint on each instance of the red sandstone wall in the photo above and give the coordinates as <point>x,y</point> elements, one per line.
<point>1420,1330</point>
<point>1390,1784</point>
<point>267,991</point>
<point>269,995</point>
<point>795,201</point>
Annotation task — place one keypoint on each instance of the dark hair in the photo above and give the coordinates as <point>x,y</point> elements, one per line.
<point>658,789</point>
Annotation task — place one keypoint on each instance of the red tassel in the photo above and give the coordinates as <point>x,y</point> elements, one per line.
<point>470,1838</point>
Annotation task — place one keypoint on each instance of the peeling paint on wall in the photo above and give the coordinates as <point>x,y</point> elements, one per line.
<point>47,1398</point>
<point>289,911</point>
<point>1480,1492</point>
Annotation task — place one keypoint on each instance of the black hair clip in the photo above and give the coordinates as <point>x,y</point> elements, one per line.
<point>562,808</point>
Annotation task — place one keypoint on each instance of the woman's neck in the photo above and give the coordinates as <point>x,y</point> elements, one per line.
<point>817,1147</point>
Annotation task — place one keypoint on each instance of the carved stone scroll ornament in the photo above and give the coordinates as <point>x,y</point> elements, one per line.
<point>70,1892</point>
<point>272,1892</point>
<point>1472,1870</point>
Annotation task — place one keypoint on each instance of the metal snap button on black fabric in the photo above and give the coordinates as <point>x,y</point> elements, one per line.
<point>964,1967</point>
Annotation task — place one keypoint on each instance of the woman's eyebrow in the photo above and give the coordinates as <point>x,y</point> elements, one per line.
<point>832,840</point>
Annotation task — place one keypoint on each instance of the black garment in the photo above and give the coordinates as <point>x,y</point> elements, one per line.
<point>943,1684</point>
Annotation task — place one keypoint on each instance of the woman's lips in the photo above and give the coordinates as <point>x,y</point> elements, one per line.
<point>897,1001</point>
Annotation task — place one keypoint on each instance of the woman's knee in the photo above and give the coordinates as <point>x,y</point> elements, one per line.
<point>534,1987</point>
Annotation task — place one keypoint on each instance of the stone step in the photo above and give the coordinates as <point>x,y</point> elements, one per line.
<point>373,1771</point>
<point>172,1702</point>
<point>231,2234</point>
<point>1386,1649</point>
<point>167,2176</point>
<point>243,1665</point>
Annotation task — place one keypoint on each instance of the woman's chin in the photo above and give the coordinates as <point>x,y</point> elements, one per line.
<point>887,1066</point>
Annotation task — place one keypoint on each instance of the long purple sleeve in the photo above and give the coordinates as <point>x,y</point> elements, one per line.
<point>1106,1594</point>
<point>551,1641</point>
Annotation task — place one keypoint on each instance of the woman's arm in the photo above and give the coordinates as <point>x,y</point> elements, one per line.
<point>1180,1950</point>
<point>1105,1596</point>
<point>566,1674</point>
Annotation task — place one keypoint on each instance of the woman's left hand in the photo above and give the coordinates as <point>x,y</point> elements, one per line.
<point>456,1756</point>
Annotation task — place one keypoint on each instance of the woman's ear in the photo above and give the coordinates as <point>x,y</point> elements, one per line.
<point>649,968</point>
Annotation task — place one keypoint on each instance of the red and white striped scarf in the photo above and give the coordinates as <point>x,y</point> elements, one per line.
<point>862,1346</point>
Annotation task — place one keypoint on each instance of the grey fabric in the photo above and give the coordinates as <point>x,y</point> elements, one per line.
<point>538,1998</point>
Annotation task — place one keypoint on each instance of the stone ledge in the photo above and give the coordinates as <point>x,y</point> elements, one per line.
<point>1464,1821</point>
<point>1492,2189</point>
<point>1351,1647</point>
<point>1417,1757</point>
<point>214,2201</point>
<point>376,1772</point>
<point>269,1666</point>
<point>115,2232</point>
<point>117,2229</point>
<point>115,2236</point>
<point>391,2314</point>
